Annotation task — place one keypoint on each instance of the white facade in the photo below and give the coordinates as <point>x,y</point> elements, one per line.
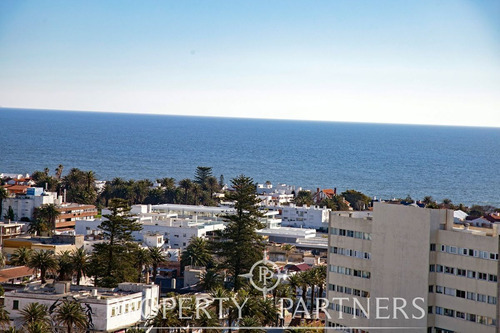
<point>25,205</point>
<point>112,309</point>
<point>303,217</point>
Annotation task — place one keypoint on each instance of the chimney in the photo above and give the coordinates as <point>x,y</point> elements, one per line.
<point>334,191</point>
<point>64,196</point>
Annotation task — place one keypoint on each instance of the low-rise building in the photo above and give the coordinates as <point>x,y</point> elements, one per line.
<point>108,310</point>
<point>70,212</point>
<point>55,244</point>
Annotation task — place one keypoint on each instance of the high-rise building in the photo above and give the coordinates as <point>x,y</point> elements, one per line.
<point>411,268</point>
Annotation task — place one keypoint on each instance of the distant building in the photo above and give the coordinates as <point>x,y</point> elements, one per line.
<point>24,205</point>
<point>70,212</point>
<point>314,217</point>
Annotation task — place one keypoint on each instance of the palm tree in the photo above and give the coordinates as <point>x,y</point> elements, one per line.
<point>71,314</point>
<point>37,226</point>
<point>143,260</point>
<point>186,184</point>
<point>37,327</point>
<point>321,281</point>
<point>48,213</point>
<point>64,266</point>
<point>295,282</point>
<point>59,171</point>
<point>157,258</point>
<point>35,313</point>
<point>4,318</point>
<point>21,256</point>
<point>80,261</point>
<point>210,280</point>
<point>44,261</point>
<point>196,254</point>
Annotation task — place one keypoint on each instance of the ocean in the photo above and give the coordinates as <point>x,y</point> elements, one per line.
<point>386,161</point>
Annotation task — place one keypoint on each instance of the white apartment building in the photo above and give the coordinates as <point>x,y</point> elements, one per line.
<point>403,254</point>
<point>24,205</point>
<point>175,232</point>
<point>111,309</point>
<point>314,217</point>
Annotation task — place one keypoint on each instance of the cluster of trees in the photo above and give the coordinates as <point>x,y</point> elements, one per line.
<point>80,188</point>
<point>358,200</point>
<point>37,318</point>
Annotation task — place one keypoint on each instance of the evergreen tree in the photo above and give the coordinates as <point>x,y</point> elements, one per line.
<point>115,258</point>
<point>201,175</point>
<point>241,246</point>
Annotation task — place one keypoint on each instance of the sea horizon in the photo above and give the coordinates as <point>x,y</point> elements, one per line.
<point>382,160</point>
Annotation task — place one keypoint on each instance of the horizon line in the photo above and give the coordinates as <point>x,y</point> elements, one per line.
<point>247,117</point>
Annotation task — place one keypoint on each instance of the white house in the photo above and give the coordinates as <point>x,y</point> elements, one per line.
<point>24,205</point>
<point>314,217</point>
<point>109,309</point>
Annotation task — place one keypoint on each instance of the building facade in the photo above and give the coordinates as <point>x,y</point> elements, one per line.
<point>445,274</point>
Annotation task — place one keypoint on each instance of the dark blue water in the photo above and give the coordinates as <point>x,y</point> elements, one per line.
<point>383,160</point>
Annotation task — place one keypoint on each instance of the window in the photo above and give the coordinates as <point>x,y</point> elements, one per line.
<point>471,296</point>
<point>113,311</point>
<point>460,293</point>
<point>461,272</point>
<point>449,270</point>
<point>15,305</point>
<point>460,315</point>
<point>450,291</point>
<point>439,289</point>
<point>433,247</point>
<point>481,298</point>
<point>439,310</point>
<point>482,276</point>
<point>449,312</point>
<point>439,268</point>
<point>471,274</point>
<point>431,289</point>
<point>471,317</point>
<point>492,278</point>
<point>492,300</point>
<point>429,309</point>
<point>432,268</point>
<point>484,255</point>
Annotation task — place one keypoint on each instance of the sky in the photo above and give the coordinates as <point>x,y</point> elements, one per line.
<point>416,62</point>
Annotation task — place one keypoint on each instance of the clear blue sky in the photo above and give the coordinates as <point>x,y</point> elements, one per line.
<point>434,62</point>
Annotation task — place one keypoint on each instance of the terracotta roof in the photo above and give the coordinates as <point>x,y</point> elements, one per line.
<point>328,191</point>
<point>7,274</point>
<point>16,188</point>
<point>299,267</point>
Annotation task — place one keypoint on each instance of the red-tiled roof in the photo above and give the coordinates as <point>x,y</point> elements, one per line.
<point>7,274</point>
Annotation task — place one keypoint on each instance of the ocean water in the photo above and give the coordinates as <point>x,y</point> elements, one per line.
<point>460,163</point>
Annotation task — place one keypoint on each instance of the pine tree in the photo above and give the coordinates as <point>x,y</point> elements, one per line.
<point>240,246</point>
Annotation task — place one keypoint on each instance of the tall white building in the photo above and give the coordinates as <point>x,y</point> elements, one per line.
<point>446,274</point>
<point>24,205</point>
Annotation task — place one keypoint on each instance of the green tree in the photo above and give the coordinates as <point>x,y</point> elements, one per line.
<point>3,195</point>
<point>240,246</point>
<point>303,198</point>
<point>201,175</point>
<point>21,256</point>
<point>197,254</point>
<point>47,213</point>
<point>4,318</point>
<point>358,200</point>
<point>336,203</point>
<point>44,261</point>
<point>210,280</point>
<point>35,313</point>
<point>186,184</point>
<point>80,186</point>
<point>70,314</point>
<point>157,258</point>
<point>59,171</point>
<point>80,261</point>
<point>10,214</point>
<point>64,266</point>
<point>37,227</point>
<point>143,261</point>
<point>115,257</point>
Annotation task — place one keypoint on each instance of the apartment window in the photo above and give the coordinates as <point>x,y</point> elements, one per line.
<point>432,268</point>
<point>482,276</point>
<point>449,312</point>
<point>113,311</point>
<point>334,231</point>
<point>484,255</point>
<point>340,289</point>
<point>461,272</point>
<point>439,310</point>
<point>439,268</point>
<point>471,274</point>
<point>460,315</point>
<point>471,252</point>
<point>331,287</point>
<point>342,232</point>
<point>433,247</point>
<point>439,289</point>
<point>471,317</point>
<point>462,251</point>
<point>492,300</point>
<point>449,270</point>
<point>449,291</point>
<point>492,278</point>
<point>431,289</point>
<point>348,290</point>
<point>350,233</point>
<point>356,292</point>
<point>442,248</point>
<point>126,308</point>
<point>15,305</point>
<point>429,309</point>
<point>471,296</point>
<point>482,298</point>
